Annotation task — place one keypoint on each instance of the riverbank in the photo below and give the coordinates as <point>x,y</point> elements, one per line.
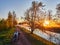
<point>40,40</point>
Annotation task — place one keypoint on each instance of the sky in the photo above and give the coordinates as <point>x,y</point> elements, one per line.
<point>20,6</point>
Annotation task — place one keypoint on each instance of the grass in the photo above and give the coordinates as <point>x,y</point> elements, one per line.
<point>36,40</point>
<point>33,40</point>
<point>5,36</point>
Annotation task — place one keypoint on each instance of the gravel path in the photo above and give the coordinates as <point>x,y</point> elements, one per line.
<point>22,40</point>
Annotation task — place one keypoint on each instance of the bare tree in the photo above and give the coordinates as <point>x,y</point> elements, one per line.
<point>58,11</point>
<point>49,14</point>
<point>31,14</point>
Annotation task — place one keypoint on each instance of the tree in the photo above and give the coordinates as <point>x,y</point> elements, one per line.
<point>14,19</point>
<point>27,17</point>
<point>57,15</point>
<point>9,20</point>
<point>3,25</point>
<point>31,14</point>
<point>49,14</point>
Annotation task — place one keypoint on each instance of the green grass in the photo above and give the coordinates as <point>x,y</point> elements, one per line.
<point>5,36</point>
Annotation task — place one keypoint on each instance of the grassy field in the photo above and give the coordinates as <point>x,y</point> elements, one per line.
<point>5,36</point>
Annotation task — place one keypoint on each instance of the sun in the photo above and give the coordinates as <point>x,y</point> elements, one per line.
<point>46,23</point>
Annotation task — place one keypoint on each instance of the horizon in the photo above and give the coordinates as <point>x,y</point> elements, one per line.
<point>20,6</point>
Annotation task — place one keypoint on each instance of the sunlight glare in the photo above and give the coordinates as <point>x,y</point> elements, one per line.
<point>46,23</point>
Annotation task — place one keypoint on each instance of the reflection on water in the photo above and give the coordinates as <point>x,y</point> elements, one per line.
<point>51,36</point>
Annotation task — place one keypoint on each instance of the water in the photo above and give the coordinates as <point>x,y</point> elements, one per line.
<point>50,36</point>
